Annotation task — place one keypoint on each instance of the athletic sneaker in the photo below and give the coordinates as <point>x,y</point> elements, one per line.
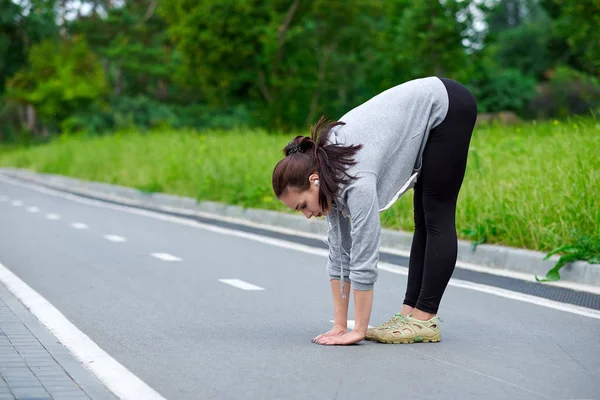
<point>411,331</point>
<point>394,320</point>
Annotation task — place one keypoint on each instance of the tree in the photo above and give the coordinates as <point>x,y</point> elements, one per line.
<point>282,56</point>
<point>433,33</point>
<point>61,78</point>
<point>133,44</point>
<point>579,23</point>
<point>22,25</point>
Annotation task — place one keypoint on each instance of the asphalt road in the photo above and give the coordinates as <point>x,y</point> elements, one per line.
<point>170,320</point>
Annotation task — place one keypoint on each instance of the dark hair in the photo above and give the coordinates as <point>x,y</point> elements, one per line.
<point>307,155</point>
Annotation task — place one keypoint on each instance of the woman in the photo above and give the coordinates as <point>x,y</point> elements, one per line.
<point>416,134</point>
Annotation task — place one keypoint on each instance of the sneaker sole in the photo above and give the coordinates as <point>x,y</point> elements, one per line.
<point>408,341</point>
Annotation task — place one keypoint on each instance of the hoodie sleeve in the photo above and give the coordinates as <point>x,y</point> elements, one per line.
<point>340,243</point>
<point>365,232</point>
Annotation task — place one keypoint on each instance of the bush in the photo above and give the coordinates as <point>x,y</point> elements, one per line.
<point>144,113</point>
<point>502,89</point>
<point>567,92</point>
<point>526,48</point>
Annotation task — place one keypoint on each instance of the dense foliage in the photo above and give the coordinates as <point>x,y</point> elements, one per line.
<point>105,64</point>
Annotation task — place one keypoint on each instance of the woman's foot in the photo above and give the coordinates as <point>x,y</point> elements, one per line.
<point>337,330</point>
<point>393,320</point>
<point>406,310</point>
<point>421,315</point>
<point>413,330</point>
<point>351,337</point>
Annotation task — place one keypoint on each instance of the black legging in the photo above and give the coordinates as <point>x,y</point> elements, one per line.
<point>435,245</point>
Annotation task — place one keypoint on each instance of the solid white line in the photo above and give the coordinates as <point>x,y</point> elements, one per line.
<point>53,216</point>
<point>17,203</point>
<point>240,284</point>
<point>215,217</point>
<point>510,274</point>
<point>79,225</point>
<point>350,323</point>
<point>116,377</point>
<point>307,249</point>
<point>165,257</point>
<point>33,209</point>
<point>586,312</point>
<point>115,238</point>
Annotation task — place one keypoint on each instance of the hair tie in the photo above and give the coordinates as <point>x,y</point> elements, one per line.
<point>294,149</point>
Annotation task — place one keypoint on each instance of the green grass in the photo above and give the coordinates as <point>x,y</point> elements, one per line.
<point>534,186</point>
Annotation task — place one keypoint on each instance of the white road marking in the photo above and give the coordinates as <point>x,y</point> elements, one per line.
<point>115,238</point>
<point>165,257</point>
<point>33,209</point>
<point>240,284</point>
<point>540,301</point>
<point>53,216</point>
<point>3,198</point>
<point>17,203</point>
<point>350,324</point>
<point>215,217</point>
<point>79,225</point>
<point>583,311</point>
<point>118,379</point>
<point>509,274</point>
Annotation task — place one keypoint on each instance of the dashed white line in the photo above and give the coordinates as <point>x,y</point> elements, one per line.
<point>79,225</point>
<point>583,311</point>
<point>33,209</point>
<point>115,238</point>
<point>3,198</point>
<point>240,284</point>
<point>17,203</point>
<point>165,257</point>
<point>53,216</point>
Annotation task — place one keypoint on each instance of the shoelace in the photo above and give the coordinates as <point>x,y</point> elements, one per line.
<point>394,320</point>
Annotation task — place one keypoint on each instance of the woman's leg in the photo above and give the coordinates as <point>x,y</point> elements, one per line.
<point>435,245</point>
<point>417,253</point>
<point>444,165</point>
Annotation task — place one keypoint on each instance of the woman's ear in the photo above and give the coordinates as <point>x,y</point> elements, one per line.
<point>314,179</point>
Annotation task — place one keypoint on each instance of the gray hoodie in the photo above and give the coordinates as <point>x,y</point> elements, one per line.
<point>393,128</point>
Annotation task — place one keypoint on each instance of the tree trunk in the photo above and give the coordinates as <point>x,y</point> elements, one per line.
<point>150,10</point>
<point>30,124</point>
<point>262,85</point>
<point>321,78</point>
<point>161,90</point>
<point>283,30</point>
<point>271,94</point>
<point>118,82</point>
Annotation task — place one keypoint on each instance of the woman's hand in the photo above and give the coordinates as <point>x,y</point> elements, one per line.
<point>337,330</point>
<point>351,337</point>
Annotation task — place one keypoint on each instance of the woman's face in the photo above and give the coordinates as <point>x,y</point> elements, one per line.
<point>307,202</point>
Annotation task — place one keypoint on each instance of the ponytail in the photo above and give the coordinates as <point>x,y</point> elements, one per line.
<point>307,155</point>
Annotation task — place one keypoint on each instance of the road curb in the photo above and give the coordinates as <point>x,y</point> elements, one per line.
<point>486,255</point>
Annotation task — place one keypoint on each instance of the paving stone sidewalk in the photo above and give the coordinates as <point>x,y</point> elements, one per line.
<point>33,365</point>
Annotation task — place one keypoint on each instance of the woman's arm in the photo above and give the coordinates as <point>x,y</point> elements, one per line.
<point>340,246</point>
<point>365,239</point>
